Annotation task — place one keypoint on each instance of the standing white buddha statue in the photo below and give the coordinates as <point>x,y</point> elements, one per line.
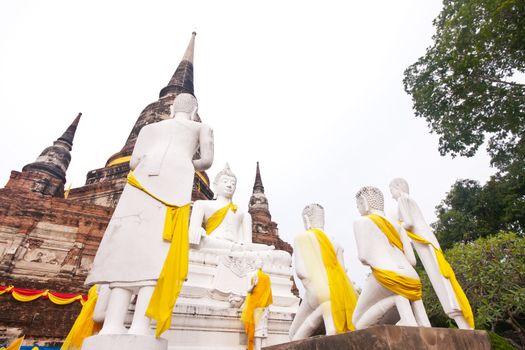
<point>132,252</point>
<point>227,227</point>
<point>386,249</point>
<point>329,294</point>
<point>256,307</point>
<point>450,295</point>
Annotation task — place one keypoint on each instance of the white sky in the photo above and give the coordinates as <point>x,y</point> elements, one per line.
<point>312,90</point>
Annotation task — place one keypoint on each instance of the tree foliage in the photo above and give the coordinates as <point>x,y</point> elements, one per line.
<point>470,210</point>
<point>491,271</point>
<point>467,85</point>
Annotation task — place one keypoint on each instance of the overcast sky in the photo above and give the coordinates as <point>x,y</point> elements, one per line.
<point>312,90</point>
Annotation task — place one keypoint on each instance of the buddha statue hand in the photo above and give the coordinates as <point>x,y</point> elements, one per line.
<point>196,234</point>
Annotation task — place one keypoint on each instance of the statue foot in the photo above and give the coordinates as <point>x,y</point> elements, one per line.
<point>113,330</point>
<point>140,331</point>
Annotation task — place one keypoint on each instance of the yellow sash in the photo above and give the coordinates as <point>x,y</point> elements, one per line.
<point>216,219</point>
<point>84,325</point>
<point>388,229</point>
<point>259,297</point>
<point>407,287</point>
<point>175,268</point>
<point>447,272</point>
<point>342,294</point>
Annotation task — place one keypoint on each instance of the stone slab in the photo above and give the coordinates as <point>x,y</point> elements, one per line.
<point>394,338</point>
<point>124,341</point>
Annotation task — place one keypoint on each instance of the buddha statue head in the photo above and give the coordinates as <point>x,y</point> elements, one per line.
<point>398,186</point>
<point>186,104</point>
<point>225,182</point>
<point>313,216</point>
<point>370,198</point>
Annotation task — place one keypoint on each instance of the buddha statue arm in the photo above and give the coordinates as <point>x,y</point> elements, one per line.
<point>206,149</point>
<point>407,245</point>
<point>403,203</point>
<point>196,220</point>
<point>139,152</point>
<point>300,268</point>
<point>246,228</point>
<point>340,252</point>
<point>361,241</point>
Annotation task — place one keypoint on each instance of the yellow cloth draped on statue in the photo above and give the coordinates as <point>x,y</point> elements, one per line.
<point>175,268</point>
<point>343,297</point>
<point>388,229</point>
<point>447,272</point>
<point>259,297</point>
<point>216,218</point>
<point>405,286</point>
<point>84,325</point>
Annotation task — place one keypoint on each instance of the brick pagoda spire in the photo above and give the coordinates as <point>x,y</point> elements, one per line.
<point>47,175</point>
<point>264,229</point>
<point>104,185</point>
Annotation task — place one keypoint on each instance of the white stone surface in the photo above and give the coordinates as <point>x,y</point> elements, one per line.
<point>375,303</point>
<point>124,341</point>
<point>412,218</point>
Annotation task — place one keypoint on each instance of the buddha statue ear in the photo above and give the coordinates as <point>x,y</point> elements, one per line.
<point>366,206</point>
<point>306,221</point>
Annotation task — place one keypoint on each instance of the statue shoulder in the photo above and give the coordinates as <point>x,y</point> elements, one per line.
<point>362,222</point>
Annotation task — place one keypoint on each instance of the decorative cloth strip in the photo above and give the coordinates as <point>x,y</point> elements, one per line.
<point>84,325</point>
<point>447,272</point>
<point>119,161</point>
<point>26,295</point>
<point>259,297</point>
<point>388,229</point>
<point>216,219</point>
<point>407,287</point>
<point>343,297</point>
<point>175,268</point>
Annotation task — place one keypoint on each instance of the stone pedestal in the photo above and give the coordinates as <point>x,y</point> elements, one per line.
<point>124,341</point>
<point>208,311</point>
<point>395,338</point>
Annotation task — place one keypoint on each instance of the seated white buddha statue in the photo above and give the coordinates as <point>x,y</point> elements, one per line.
<point>393,283</point>
<point>329,296</point>
<point>227,228</point>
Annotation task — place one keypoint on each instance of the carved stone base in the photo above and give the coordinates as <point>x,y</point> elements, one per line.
<point>124,341</point>
<point>395,338</point>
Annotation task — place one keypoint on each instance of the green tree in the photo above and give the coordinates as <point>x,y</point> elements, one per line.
<point>470,211</point>
<point>467,87</point>
<point>491,271</point>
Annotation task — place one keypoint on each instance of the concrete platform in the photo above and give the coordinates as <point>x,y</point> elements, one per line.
<point>394,338</point>
<point>124,341</point>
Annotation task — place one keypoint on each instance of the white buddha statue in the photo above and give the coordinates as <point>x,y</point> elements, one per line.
<point>319,264</point>
<point>394,283</point>
<point>256,306</point>
<point>228,228</point>
<point>427,248</point>
<point>132,251</point>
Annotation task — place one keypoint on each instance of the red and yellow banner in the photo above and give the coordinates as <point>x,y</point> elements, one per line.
<point>26,295</point>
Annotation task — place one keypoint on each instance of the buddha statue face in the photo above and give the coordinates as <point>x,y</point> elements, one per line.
<point>398,186</point>
<point>225,182</point>
<point>225,186</point>
<point>313,216</point>
<point>369,198</point>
